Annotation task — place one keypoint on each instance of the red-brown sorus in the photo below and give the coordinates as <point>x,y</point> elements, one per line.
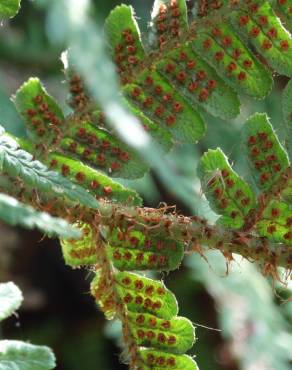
<point>183,56</point>
<point>162,260</point>
<point>175,13</point>
<point>247,63</point>
<point>264,177</point>
<point>263,20</point>
<point>158,90</point>
<point>80,176</point>
<point>128,298</point>
<point>271,158</point>
<point>255,31</point>
<point>253,8</point>
<point>156,305</point>
<point>165,324</point>
<point>161,338</point>
<point>160,291</point>
<point>107,190</point>
<point>219,55</point>
<point>252,140</point>
<point>277,167</point>
<point>288,235</point>
<point>284,45</point>
<point>115,166</point>
<point>161,27</point>
<point>94,184</point>
<point>152,258</point>
<point>289,221</point>
<point>119,48</point>
<point>127,256</point>
<point>181,76</point>
<point>140,334</point>
<point>160,361</point>
<point>236,53</point>
<point>224,203</point>
<point>129,39</point>
<point>170,67</point>
<point>149,290</point>
<point>140,319</point>
<point>31,112</point>
<point>139,284</point>
<point>136,92</point>
<point>38,99</point>
<point>177,107</point>
<point>170,120</point>
<point>271,229</point>
<point>126,281</point>
<point>117,255</point>
<point>245,201</point>
<point>239,193</point>
<point>53,163</point>
<point>81,132</point>
<point>171,340</point>
<point>148,102</point>
<point>191,64</point>
<point>262,136</point>
<point>229,183</point>
<point>40,131</point>
<point>272,33</point>
<point>193,86</point>
<point>139,257</point>
<point>151,359</point>
<point>266,44</point>
<point>216,32</point>
<point>139,300</point>
<point>203,94</point>
<point>268,145</point>
<point>227,41</point>
<point>243,20</point>
<point>100,158</point>
<point>133,59</point>
<point>65,170</point>
<point>86,152</point>
<point>124,156</point>
<point>231,67</point>
<point>241,76</point>
<point>174,23</point>
<point>167,98</point>
<point>275,212</point>
<point>218,192</point>
<point>201,74</point>
<point>149,80</point>
<point>259,164</point>
<point>225,173</point>
<point>233,214</point>
<point>152,321</point>
<point>43,107</point>
<point>207,43</point>
<point>171,361</point>
<point>150,334</point>
<point>159,111</point>
<point>255,151</point>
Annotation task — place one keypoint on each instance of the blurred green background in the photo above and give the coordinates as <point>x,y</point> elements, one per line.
<point>252,317</point>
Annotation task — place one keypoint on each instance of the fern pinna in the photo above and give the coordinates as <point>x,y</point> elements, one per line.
<point>181,71</point>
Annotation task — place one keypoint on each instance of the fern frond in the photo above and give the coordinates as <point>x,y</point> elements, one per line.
<point>18,163</point>
<point>15,213</point>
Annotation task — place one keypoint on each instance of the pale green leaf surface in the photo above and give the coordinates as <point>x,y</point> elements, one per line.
<point>14,212</point>
<point>9,8</point>
<point>17,355</point>
<point>10,299</point>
